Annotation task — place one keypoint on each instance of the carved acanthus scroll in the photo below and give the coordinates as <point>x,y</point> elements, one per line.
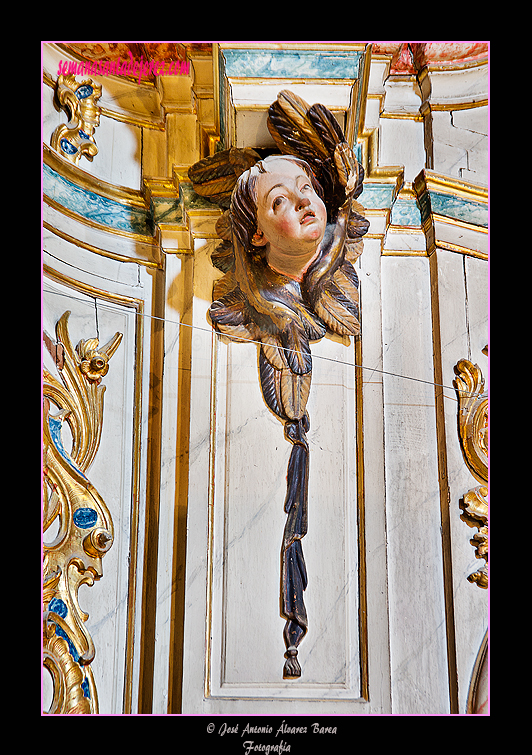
<point>473,431</point>
<point>78,100</point>
<point>77,525</point>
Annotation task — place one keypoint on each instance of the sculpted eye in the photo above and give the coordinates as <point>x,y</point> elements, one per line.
<point>277,201</point>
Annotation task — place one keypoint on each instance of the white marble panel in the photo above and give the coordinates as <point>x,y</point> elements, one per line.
<point>112,245</point>
<point>250,103</point>
<point>478,291</point>
<point>416,602</point>
<point>248,534</point>
<point>462,235</point>
<point>402,143</point>
<point>334,97</point>
<point>402,95</point>
<point>119,158</point>
<point>397,239</point>
<point>455,87</point>
<point>234,648</point>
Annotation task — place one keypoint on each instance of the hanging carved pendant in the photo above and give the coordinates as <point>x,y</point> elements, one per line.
<point>291,233</point>
<point>84,527</point>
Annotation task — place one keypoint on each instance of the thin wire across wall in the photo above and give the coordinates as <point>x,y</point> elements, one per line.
<point>209,331</point>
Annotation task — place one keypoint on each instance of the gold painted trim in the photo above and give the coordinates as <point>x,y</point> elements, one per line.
<point>121,194</point>
<point>404,253</point>
<point>374,173</point>
<point>460,67</point>
<point>138,306</point>
<point>412,229</point>
<point>459,250</point>
<point>97,250</point>
<point>460,223</point>
<point>458,105</point>
<point>289,81</point>
<point>258,108</point>
<point>361,525</point>
<point>446,185</point>
<point>417,116</point>
<point>131,120</point>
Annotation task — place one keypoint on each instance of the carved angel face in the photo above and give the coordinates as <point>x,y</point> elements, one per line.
<point>291,217</point>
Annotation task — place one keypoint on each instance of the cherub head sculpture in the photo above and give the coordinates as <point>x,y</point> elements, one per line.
<point>291,233</point>
<point>277,211</point>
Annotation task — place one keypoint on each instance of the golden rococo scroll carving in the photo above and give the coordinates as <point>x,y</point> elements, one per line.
<point>78,100</point>
<point>77,525</point>
<point>473,432</point>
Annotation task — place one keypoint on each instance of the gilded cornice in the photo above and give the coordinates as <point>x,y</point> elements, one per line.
<point>438,183</point>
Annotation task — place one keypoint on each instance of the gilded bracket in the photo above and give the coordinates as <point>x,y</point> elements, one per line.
<point>473,432</point>
<point>78,100</point>
<point>77,525</point>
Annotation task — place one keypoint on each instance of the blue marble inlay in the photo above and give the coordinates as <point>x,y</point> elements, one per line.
<point>376,196</point>
<point>58,606</point>
<point>56,425</point>
<point>458,208</point>
<point>292,64</point>
<point>411,213</point>
<point>92,206</point>
<point>85,688</point>
<point>67,147</point>
<point>85,518</point>
<point>406,212</point>
<point>84,91</point>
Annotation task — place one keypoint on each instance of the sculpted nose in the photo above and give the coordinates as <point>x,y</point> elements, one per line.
<point>302,202</point>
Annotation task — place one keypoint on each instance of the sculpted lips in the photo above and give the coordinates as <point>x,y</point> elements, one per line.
<point>307,216</point>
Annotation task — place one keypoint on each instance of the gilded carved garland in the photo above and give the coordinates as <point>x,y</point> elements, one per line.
<point>473,431</point>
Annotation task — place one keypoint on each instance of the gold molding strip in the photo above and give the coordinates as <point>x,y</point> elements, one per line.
<point>459,105</point>
<point>437,182</point>
<point>98,250</point>
<point>121,194</point>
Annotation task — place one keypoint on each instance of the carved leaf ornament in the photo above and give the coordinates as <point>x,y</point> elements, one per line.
<point>473,432</point>
<point>77,525</point>
<point>252,301</point>
<point>78,99</point>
